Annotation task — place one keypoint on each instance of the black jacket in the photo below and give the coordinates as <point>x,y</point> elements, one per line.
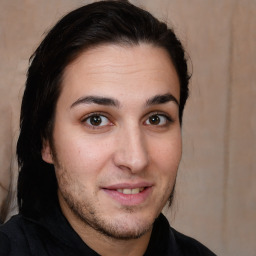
<point>53,236</point>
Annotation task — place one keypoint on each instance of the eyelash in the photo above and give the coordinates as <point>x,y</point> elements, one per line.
<point>95,114</point>
<point>168,120</point>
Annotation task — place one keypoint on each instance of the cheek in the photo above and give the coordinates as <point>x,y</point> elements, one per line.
<point>81,154</point>
<point>166,153</point>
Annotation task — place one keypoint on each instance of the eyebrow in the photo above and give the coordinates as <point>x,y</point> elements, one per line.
<point>105,101</point>
<point>96,100</point>
<point>161,99</point>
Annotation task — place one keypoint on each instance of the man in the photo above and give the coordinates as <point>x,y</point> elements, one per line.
<point>100,138</point>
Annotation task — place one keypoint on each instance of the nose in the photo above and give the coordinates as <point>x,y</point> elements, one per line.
<point>131,151</point>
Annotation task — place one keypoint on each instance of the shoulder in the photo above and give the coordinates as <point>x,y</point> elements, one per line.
<point>12,228</point>
<point>190,246</point>
<point>12,238</point>
<point>5,247</point>
<point>166,241</point>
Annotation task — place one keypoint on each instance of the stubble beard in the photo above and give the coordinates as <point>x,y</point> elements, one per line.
<point>91,218</point>
<point>88,215</point>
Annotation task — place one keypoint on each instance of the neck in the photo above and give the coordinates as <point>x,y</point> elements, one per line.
<point>108,246</point>
<point>103,244</point>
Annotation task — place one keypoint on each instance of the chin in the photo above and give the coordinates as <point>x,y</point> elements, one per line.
<point>124,228</point>
<point>125,225</point>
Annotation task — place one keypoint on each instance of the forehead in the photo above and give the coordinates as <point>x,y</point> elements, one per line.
<point>109,69</point>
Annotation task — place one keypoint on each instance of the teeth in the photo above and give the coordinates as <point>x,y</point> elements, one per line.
<point>135,191</point>
<point>128,191</point>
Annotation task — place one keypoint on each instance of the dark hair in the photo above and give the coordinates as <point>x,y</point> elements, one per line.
<point>103,22</point>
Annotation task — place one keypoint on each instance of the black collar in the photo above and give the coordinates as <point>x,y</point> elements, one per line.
<point>58,231</point>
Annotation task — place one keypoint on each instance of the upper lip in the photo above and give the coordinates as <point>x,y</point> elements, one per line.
<point>128,185</point>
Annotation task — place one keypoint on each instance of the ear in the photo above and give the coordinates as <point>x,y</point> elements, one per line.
<point>47,152</point>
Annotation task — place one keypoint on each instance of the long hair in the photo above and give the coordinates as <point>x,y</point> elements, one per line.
<point>104,22</point>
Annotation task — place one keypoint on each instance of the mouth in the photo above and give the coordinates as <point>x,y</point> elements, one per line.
<point>128,191</point>
<point>129,194</point>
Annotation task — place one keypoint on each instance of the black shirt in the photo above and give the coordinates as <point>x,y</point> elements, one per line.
<point>53,236</point>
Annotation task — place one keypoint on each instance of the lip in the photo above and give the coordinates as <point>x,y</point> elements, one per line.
<point>129,199</point>
<point>129,185</point>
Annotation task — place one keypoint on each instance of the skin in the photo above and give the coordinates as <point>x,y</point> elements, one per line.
<point>132,140</point>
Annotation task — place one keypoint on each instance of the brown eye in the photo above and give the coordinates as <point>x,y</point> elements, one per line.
<point>97,120</point>
<point>158,120</point>
<point>154,120</point>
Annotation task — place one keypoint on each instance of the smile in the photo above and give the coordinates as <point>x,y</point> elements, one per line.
<point>128,191</point>
<point>129,194</point>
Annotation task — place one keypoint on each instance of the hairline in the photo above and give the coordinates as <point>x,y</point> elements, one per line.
<point>128,43</point>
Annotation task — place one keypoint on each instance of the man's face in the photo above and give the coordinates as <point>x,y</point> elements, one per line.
<point>117,139</point>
